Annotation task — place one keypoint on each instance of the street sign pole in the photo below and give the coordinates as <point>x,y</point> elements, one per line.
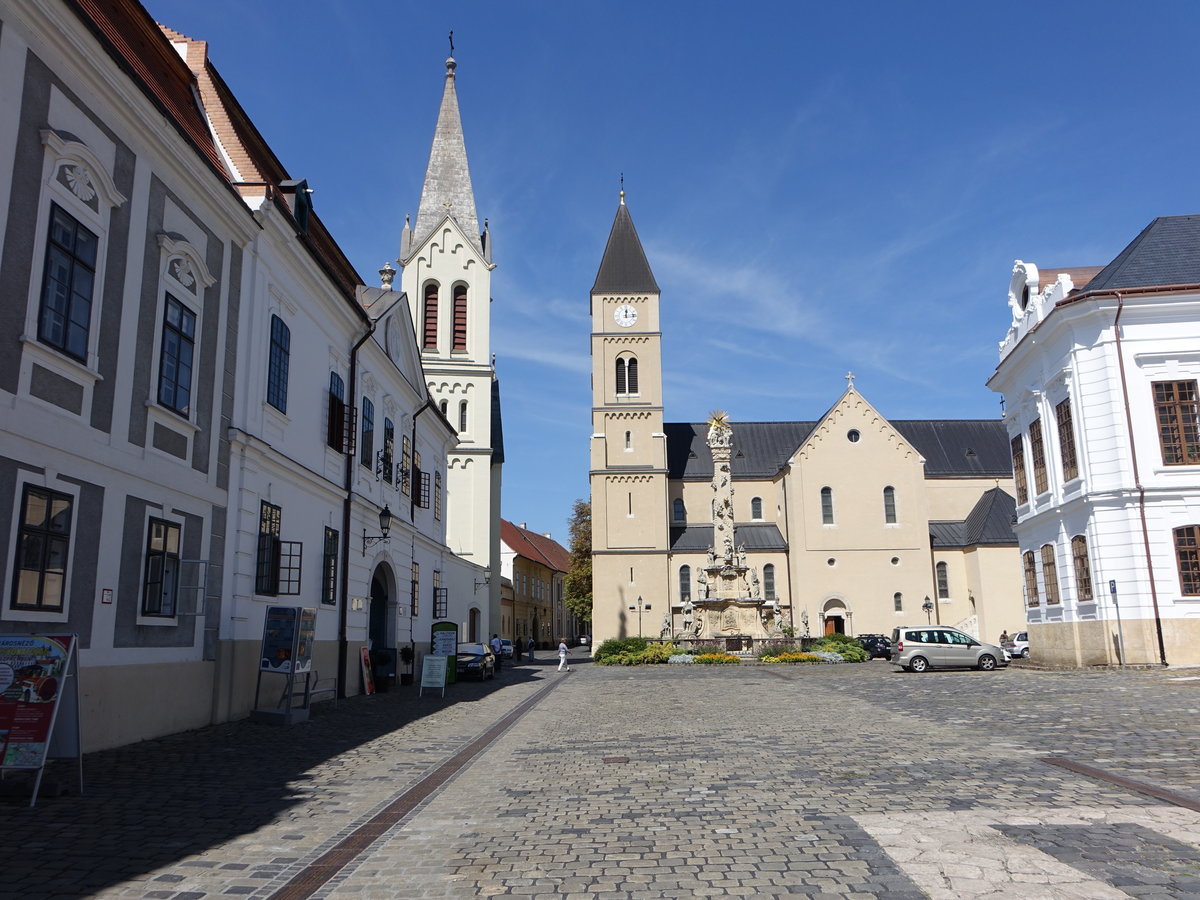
<point>1112,590</point>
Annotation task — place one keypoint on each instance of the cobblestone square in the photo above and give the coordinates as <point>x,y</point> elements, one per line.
<point>653,782</point>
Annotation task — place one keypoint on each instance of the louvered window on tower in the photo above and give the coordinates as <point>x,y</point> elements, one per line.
<point>460,318</point>
<point>627,379</point>
<point>430,317</point>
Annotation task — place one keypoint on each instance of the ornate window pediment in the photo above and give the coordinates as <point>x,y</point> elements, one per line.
<point>81,172</point>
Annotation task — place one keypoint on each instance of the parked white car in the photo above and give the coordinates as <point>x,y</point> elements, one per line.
<point>1018,644</point>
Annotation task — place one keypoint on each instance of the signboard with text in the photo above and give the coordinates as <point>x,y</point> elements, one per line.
<point>288,633</point>
<point>33,673</point>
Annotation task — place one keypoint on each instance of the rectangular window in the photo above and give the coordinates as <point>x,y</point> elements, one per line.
<point>389,441</point>
<point>161,586</point>
<point>889,506</point>
<point>1037,452</point>
<point>769,582</point>
<point>1187,553</point>
<point>329,568</point>
<point>685,583</point>
<point>439,596</point>
<point>437,496</point>
<point>277,371</point>
<point>1066,440</point>
<point>266,570</point>
<point>405,472</point>
<point>335,428</point>
<point>43,545</point>
<point>367,445</point>
<point>1018,463</point>
<point>1031,589</point>
<point>423,491</point>
<point>415,588</point>
<point>290,565</point>
<point>175,360</point>
<point>1083,569</point>
<point>1177,408</point>
<point>1050,574</point>
<point>68,285</point>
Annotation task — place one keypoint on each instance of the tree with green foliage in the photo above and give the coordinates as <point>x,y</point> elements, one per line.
<point>577,592</point>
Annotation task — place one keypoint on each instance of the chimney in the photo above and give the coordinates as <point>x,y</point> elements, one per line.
<point>524,527</point>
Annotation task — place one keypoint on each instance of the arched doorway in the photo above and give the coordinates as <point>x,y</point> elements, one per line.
<point>377,622</point>
<point>834,615</point>
<point>381,628</point>
<point>473,626</point>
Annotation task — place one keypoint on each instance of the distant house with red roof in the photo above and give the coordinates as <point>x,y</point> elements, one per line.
<point>537,566</point>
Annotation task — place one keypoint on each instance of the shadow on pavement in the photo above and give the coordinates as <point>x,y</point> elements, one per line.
<point>149,804</point>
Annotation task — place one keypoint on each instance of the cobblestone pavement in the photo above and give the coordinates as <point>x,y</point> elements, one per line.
<point>663,782</point>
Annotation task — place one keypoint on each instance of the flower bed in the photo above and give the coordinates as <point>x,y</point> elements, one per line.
<point>793,657</point>
<point>716,659</point>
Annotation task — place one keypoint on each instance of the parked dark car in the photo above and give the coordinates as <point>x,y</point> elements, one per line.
<point>878,646</point>
<point>476,661</point>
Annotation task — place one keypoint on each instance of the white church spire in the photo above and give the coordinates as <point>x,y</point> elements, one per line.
<point>447,190</point>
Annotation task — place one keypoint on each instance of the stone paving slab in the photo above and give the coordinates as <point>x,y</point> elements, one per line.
<point>671,781</point>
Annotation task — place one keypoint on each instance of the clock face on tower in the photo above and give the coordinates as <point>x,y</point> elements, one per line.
<point>625,315</point>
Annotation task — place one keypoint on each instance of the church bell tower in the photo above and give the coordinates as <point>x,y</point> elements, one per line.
<point>628,446</point>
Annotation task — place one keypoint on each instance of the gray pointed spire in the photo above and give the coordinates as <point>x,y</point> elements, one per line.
<point>624,268</point>
<point>447,190</point>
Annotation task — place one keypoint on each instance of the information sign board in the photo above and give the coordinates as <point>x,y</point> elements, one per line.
<point>433,673</point>
<point>288,634</point>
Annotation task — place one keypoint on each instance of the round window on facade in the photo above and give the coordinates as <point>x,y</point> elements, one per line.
<point>831,561</point>
<point>852,435</point>
<point>895,560</point>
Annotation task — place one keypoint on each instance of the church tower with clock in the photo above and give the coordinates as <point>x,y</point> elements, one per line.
<point>628,469</point>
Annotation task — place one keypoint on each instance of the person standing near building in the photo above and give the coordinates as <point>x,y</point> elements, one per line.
<point>497,649</point>
<point>562,655</point>
<point>532,647</point>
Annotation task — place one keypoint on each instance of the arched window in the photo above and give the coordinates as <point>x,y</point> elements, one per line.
<point>827,506</point>
<point>943,581</point>
<point>889,505</point>
<point>756,508</point>
<point>629,440</point>
<point>443,407</point>
<point>462,416</point>
<point>679,513</point>
<point>430,317</point>
<point>898,601</point>
<point>685,583</point>
<point>1083,569</point>
<point>1050,573</point>
<point>1030,568</point>
<point>627,378</point>
<point>1187,556</point>
<point>459,340</point>
<point>769,581</point>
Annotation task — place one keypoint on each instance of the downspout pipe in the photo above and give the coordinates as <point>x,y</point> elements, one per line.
<point>347,503</point>
<point>1137,478</point>
<point>344,610</point>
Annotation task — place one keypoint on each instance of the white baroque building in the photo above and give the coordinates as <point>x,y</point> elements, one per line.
<point>205,409</point>
<point>1099,373</point>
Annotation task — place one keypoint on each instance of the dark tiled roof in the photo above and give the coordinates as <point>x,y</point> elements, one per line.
<point>951,448</point>
<point>960,447</point>
<point>990,522</point>
<point>751,535</point>
<point>624,268</point>
<point>947,534</point>
<point>1166,252</point>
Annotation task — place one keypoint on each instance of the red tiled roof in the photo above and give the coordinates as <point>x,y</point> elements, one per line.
<point>535,547</point>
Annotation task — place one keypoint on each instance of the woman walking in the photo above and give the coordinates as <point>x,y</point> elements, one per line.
<point>562,655</point>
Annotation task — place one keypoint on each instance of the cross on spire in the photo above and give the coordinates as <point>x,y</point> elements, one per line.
<point>849,379</point>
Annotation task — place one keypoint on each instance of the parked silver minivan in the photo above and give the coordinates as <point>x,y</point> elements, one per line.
<point>917,648</point>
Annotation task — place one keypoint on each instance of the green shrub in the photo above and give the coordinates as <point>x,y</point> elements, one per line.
<point>615,646</point>
<point>658,653</point>
<point>849,648</point>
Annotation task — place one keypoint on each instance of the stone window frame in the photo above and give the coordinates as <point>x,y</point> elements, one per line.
<point>75,179</point>
<point>1173,411</point>
<point>184,278</point>
<point>40,612</point>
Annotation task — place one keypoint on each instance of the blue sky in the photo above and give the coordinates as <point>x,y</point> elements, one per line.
<point>819,188</point>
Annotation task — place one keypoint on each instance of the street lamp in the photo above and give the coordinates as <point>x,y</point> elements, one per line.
<point>928,607</point>
<point>385,522</point>
<point>639,607</point>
